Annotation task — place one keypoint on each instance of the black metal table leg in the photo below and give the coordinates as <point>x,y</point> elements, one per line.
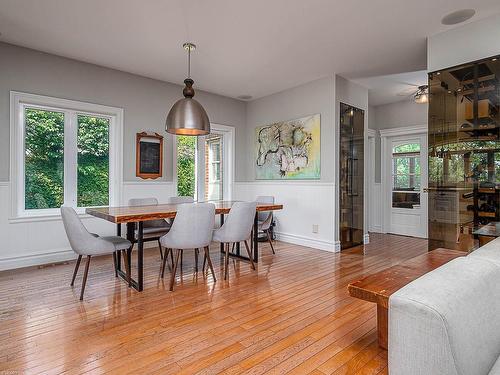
<point>221,224</point>
<point>130,236</point>
<point>140,256</point>
<point>256,238</point>
<point>118,257</point>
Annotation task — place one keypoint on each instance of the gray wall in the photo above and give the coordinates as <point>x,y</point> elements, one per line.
<point>394,115</point>
<point>145,101</point>
<point>311,98</point>
<point>463,44</point>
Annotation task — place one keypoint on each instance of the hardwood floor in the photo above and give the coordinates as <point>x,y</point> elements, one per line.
<point>293,315</point>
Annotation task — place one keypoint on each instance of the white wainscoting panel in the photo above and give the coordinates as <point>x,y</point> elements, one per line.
<point>40,241</point>
<point>375,207</point>
<point>305,204</point>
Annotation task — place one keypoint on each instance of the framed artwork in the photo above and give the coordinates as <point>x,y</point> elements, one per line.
<point>149,155</point>
<point>289,150</point>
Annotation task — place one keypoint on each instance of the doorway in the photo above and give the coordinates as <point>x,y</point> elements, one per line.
<point>204,165</point>
<point>404,178</point>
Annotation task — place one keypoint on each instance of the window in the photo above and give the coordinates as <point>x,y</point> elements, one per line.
<point>186,165</point>
<point>406,175</point>
<point>213,169</point>
<point>64,153</point>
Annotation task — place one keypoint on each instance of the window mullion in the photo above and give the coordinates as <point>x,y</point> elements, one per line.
<point>70,158</point>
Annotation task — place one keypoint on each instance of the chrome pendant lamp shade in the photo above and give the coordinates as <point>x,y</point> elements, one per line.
<point>187,116</point>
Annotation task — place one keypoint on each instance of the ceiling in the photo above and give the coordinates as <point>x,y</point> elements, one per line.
<point>393,87</point>
<point>255,47</point>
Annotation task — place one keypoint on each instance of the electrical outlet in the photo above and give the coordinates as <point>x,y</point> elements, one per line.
<point>315,228</point>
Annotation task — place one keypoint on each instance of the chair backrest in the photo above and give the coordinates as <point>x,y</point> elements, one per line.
<point>193,226</point>
<point>181,199</point>
<point>265,216</point>
<point>238,224</point>
<point>151,201</point>
<point>81,241</point>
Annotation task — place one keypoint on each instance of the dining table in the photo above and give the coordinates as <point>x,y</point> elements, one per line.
<point>135,216</point>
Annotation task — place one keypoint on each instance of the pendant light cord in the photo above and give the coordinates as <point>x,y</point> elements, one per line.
<point>189,62</point>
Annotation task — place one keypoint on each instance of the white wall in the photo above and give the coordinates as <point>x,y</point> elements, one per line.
<point>145,103</point>
<point>307,202</point>
<point>470,42</point>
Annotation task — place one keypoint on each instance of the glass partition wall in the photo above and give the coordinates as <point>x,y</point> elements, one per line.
<point>351,175</point>
<point>464,154</point>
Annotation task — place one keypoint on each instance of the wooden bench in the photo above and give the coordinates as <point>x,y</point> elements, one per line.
<point>379,286</point>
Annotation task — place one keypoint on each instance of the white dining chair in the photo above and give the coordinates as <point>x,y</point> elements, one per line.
<point>84,243</point>
<point>265,219</point>
<point>192,229</point>
<point>152,229</point>
<point>236,228</point>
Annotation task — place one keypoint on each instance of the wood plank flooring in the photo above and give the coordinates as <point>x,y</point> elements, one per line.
<point>293,315</point>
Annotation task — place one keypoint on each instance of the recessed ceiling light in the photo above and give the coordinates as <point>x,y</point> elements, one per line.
<point>493,59</point>
<point>458,17</point>
<point>245,97</point>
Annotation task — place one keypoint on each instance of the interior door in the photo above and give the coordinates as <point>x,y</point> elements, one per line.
<point>407,166</point>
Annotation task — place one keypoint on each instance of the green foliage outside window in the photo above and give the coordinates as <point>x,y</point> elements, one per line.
<point>186,153</point>
<point>93,161</point>
<point>44,159</point>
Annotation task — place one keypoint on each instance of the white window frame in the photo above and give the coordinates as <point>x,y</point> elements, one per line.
<point>19,101</point>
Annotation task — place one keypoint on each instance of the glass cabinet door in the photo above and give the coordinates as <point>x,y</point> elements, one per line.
<point>464,179</point>
<point>351,175</point>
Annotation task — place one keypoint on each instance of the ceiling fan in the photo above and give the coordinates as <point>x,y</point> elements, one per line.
<point>420,93</point>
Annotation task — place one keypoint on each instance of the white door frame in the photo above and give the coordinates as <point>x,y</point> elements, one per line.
<point>228,158</point>
<point>388,136</point>
<point>228,133</point>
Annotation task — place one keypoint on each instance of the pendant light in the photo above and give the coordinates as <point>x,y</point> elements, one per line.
<point>187,116</point>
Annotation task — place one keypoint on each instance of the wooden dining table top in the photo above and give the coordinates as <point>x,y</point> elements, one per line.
<point>127,214</point>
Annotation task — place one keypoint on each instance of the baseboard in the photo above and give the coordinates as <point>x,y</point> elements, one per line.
<point>338,247</point>
<point>46,258</point>
<point>376,228</point>
<point>306,241</point>
<point>36,259</point>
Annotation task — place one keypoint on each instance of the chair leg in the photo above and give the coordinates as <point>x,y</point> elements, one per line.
<point>76,270</point>
<point>207,257</point>
<point>161,252</point>
<point>84,282</point>
<point>174,270</point>
<point>270,241</point>
<point>204,262</point>
<point>226,268</point>
<point>172,256</point>
<point>114,264</point>
<point>249,254</point>
<point>196,260</point>
<point>182,257</point>
<point>163,262</point>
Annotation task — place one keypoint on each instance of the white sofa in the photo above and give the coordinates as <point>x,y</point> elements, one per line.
<point>447,322</point>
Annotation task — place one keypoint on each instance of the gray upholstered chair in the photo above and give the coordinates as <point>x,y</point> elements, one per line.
<point>180,200</point>
<point>84,243</point>
<point>236,228</point>
<point>192,229</point>
<point>265,219</point>
<point>152,229</point>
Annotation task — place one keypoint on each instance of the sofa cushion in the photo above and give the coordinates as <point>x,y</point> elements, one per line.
<point>496,368</point>
<point>490,251</point>
<point>447,321</point>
